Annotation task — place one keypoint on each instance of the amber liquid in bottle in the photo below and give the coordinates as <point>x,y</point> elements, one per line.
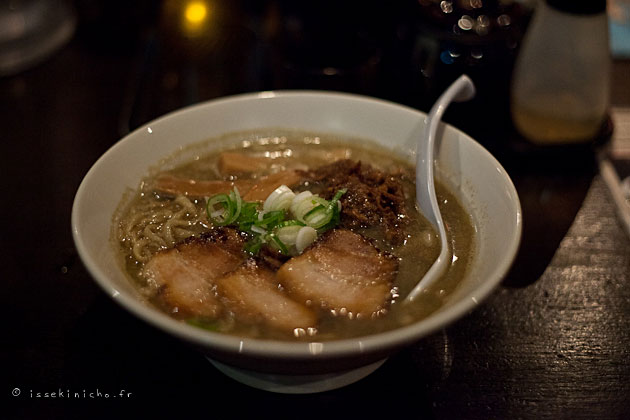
<point>543,127</point>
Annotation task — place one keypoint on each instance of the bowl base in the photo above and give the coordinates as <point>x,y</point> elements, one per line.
<point>296,384</point>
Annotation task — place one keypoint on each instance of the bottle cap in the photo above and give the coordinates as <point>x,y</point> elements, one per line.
<point>590,7</point>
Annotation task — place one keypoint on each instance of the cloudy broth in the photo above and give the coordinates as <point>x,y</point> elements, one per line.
<point>141,222</point>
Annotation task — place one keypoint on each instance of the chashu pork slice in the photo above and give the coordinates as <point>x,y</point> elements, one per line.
<point>252,293</point>
<point>342,272</point>
<point>185,274</point>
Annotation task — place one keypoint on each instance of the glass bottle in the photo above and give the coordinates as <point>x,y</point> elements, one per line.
<point>560,87</point>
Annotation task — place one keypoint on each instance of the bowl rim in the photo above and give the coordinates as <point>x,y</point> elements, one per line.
<point>286,349</point>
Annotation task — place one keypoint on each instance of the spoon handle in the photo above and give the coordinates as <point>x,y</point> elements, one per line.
<point>462,89</point>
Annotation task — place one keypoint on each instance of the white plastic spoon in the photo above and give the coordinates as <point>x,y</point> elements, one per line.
<point>460,90</point>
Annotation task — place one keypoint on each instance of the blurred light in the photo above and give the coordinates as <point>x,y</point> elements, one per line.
<point>195,17</point>
<point>196,12</point>
<point>465,22</point>
<point>482,25</point>
<point>446,6</point>
<point>446,57</point>
<point>476,54</point>
<point>504,20</point>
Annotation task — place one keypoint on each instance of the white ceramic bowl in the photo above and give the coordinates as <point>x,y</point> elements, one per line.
<point>477,178</point>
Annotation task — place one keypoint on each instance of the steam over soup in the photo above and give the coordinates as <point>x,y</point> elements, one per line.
<point>287,235</point>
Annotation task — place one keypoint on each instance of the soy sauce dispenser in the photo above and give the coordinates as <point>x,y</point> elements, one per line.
<point>560,85</point>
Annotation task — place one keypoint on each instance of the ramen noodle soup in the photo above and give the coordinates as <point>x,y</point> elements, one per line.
<point>289,236</point>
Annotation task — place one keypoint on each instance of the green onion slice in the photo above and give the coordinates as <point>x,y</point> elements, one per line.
<point>318,217</point>
<point>292,222</point>
<point>223,215</point>
<point>254,245</point>
<point>305,237</point>
<point>288,234</point>
<point>333,211</point>
<point>278,243</point>
<point>249,216</point>
<point>312,213</point>
<point>280,199</point>
<point>333,203</point>
<point>270,219</point>
<point>236,197</point>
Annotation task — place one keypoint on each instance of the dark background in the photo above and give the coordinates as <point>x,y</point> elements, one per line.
<point>552,341</point>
